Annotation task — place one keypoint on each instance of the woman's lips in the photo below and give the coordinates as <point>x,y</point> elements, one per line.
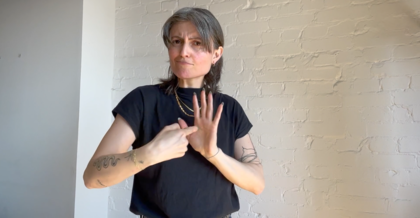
<point>184,63</point>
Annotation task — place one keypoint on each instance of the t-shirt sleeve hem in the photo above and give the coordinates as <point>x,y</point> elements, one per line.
<point>245,131</point>
<point>127,118</point>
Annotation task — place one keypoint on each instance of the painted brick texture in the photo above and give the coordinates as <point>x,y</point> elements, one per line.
<point>331,86</point>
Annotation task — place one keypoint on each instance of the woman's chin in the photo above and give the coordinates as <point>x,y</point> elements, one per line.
<point>188,75</point>
<point>184,75</point>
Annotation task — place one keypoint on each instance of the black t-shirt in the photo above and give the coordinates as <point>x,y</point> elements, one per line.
<point>189,186</point>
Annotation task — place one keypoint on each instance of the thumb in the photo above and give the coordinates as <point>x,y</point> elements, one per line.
<point>182,123</point>
<point>173,126</point>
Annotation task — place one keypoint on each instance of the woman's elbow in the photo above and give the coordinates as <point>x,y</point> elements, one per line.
<point>88,182</point>
<point>259,189</point>
<point>259,186</point>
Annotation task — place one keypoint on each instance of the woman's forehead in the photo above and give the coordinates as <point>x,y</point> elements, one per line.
<point>184,29</point>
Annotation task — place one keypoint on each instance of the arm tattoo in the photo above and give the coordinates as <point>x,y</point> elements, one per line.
<point>100,183</point>
<point>131,157</point>
<point>251,157</point>
<point>105,161</point>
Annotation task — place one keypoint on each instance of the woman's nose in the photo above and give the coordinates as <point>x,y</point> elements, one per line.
<point>185,50</point>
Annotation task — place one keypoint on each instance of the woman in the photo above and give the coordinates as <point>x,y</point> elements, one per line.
<point>188,150</point>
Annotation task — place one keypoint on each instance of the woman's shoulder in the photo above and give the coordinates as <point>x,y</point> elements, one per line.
<point>140,93</point>
<point>229,101</point>
<point>152,87</point>
<point>147,89</point>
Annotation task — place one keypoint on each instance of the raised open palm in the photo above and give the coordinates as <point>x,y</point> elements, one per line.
<point>204,140</point>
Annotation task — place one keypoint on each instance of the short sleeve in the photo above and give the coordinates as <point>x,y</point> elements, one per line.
<point>131,109</point>
<point>241,121</point>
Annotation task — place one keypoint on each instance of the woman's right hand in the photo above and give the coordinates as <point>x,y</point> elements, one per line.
<point>171,142</point>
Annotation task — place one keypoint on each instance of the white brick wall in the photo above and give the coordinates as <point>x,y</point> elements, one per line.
<point>331,86</point>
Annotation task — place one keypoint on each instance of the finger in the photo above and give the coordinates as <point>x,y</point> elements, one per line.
<point>172,127</point>
<point>218,114</point>
<point>203,104</point>
<point>181,154</point>
<point>182,123</point>
<point>196,107</point>
<point>189,130</point>
<point>210,106</point>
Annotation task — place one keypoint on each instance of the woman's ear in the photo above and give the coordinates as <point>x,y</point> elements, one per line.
<point>217,54</point>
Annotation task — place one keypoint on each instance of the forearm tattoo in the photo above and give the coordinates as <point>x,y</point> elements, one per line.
<point>250,157</point>
<point>131,156</point>
<point>105,161</point>
<point>100,183</point>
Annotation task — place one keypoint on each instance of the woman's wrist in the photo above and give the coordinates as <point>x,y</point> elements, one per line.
<point>217,152</point>
<point>144,155</point>
<point>212,153</point>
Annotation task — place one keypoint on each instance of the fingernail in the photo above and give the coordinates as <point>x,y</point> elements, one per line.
<point>223,103</point>
<point>179,118</point>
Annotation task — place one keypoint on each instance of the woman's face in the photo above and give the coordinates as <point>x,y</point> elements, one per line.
<point>188,57</point>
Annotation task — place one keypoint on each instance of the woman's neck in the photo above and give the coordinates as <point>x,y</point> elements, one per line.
<point>190,83</point>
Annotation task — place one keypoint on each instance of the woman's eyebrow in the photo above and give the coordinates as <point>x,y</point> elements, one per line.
<point>196,38</point>
<point>190,38</point>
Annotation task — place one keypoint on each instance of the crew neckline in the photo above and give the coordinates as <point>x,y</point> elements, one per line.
<point>188,91</point>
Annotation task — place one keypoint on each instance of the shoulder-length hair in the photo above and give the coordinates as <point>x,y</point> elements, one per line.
<point>211,34</point>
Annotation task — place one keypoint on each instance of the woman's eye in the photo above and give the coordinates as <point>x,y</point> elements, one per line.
<point>196,43</point>
<point>176,41</point>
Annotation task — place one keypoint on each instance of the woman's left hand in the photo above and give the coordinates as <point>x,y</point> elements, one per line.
<point>204,140</point>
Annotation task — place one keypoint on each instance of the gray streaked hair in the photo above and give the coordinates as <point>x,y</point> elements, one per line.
<point>211,34</point>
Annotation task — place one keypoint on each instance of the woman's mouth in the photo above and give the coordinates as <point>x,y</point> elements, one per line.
<point>184,63</point>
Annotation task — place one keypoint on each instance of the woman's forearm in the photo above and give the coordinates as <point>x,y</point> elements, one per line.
<point>111,169</point>
<point>171,142</point>
<point>248,176</point>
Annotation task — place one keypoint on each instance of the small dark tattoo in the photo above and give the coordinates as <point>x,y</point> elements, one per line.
<point>130,157</point>
<point>250,157</point>
<point>100,183</point>
<point>105,161</point>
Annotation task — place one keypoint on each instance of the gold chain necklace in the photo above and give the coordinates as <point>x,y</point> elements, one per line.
<point>178,100</point>
<point>186,105</point>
